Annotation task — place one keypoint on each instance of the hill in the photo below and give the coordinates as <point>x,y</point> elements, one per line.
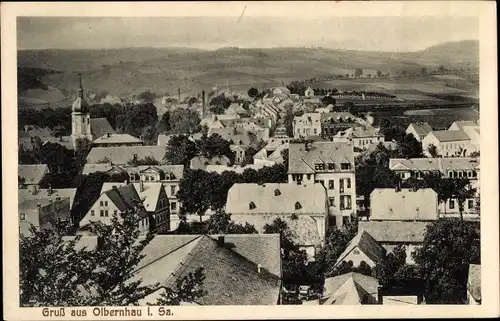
<point>123,72</point>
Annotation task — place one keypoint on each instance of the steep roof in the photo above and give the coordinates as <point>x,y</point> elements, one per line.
<point>117,139</point>
<point>367,244</point>
<point>474,281</point>
<point>231,278</point>
<point>350,289</point>
<point>125,198</point>
<point>25,194</point>
<point>450,135</point>
<point>460,163</point>
<point>176,170</point>
<point>422,129</point>
<point>32,174</point>
<point>464,123</point>
<point>237,135</point>
<point>100,126</point>
<point>122,154</point>
<point>406,204</point>
<point>360,132</point>
<point>327,152</point>
<point>150,195</point>
<point>395,231</point>
<point>308,118</point>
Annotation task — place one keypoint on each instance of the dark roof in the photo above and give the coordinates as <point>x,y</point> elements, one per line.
<point>367,244</point>
<point>100,127</point>
<point>302,161</point>
<point>125,198</point>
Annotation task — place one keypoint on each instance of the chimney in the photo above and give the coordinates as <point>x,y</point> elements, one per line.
<point>141,186</point>
<point>179,95</point>
<point>258,268</point>
<point>50,190</point>
<point>220,240</point>
<point>202,104</point>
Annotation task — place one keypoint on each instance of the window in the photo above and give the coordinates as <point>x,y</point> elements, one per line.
<point>298,206</point>
<point>331,201</point>
<point>251,205</point>
<point>355,252</point>
<point>92,213</point>
<point>450,174</point>
<point>341,185</point>
<point>470,204</point>
<point>452,204</point>
<point>101,213</point>
<point>105,203</point>
<point>106,213</point>
<point>308,176</point>
<point>345,220</point>
<point>172,190</point>
<point>469,174</point>
<point>101,203</point>
<point>331,166</point>
<point>345,166</point>
<point>348,183</point>
<point>345,202</point>
<point>115,212</point>
<point>331,184</point>
<point>173,206</point>
<point>277,192</point>
<point>319,166</point>
<point>22,216</point>
<point>460,174</point>
<point>474,174</point>
<point>315,131</point>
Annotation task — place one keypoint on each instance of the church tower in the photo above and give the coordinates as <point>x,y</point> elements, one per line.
<point>80,117</point>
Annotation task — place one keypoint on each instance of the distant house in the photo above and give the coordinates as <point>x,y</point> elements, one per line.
<point>309,92</point>
<point>474,284</point>
<point>201,162</point>
<point>389,204</point>
<point>40,213</point>
<point>239,153</point>
<point>271,154</point>
<point>309,124</point>
<point>31,175</point>
<point>280,90</point>
<point>333,123</point>
<point>48,194</point>
<point>361,137</point>
<point>219,169</point>
<point>350,289</point>
<point>148,200</point>
<point>239,269</point>
<point>122,155</point>
<point>112,140</point>
<point>390,234</point>
<point>419,130</point>
<point>303,208</point>
<point>448,143</point>
<point>235,135</point>
<point>362,248</point>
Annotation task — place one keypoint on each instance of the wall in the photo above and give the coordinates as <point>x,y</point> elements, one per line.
<point>357,258</point>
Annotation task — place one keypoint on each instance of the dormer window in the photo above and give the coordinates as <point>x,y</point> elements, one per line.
<point>319,166</point>
<point>298,206</point>
<point>277,192</point>
<point>251,205</point>
<point>345,166</point>
<point>331,166</point>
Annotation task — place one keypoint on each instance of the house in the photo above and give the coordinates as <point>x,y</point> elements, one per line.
<point>31,175</point>
<point>302,207</point>
<point>235,135</point>
<point>350,289</point>
<point>239,269</point>
<point>362,248</point>
<point>332,123</point>
<point>309,124</point>
<point>280,90</point>
<point>271,154</point>
<point>48,193</point>
<point>215,121</point>
<point>332,165</point>
<point>474,284</point>
<point>110,140</point>
<point>148,200</point>
<point>449,143</point>
<point>122,155</point>
<point>390,204</point>
<point>390,234</point>
<point>362,137</point>
<point>239,153</point>
<point>40,213</point>
<point>169,175</point>
<point>455,167</point>
<point>309,92</point>
<point>219,169</point>
<point>201,162</point>
<point>418,130</point>
<point>323,110</point>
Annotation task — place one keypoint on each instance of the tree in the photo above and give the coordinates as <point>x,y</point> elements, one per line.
<point>58,158</point>
<point>184,121</point>
<point>220,103</point>
<point>147,96</point>
<point>441,69</point>
<point>409,147</point>
<point>217,109</point>
<point>187,289</point>
<point>220,223</point>
<point>249,154</point>
<point>214,145</point>
<point>358,72</point>
<point>180,150</point>
<point>164,123</point>
<point>328,100</point>
<point>391,263</point>
<point>450,245</point>
<point>253,92</point>
<point>432,150</point>
<point>462,191</point>
<point>54,272</point>
<point>379,73</point>
<point>149,135</point>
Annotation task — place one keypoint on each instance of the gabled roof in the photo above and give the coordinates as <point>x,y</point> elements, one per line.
<point>231,273</point>
<point>450,135</point>
<point>150,195</point>
<point>395,231</point>
<point>405,204</point>
<point>25,194</point>
<point>120,155</point>
<point>237,135</point>
<point>125,198</point>
<point>176,170</point>
<point>435,164</point>
<point>117,139</point>
<point>336,151</point>
<point>422,129</point>
<point>365,243</point>
<point>32,174</point>
<point>464,123</point>
<point>350,289</point>
<point>474,281</point>
<point>100,126</point>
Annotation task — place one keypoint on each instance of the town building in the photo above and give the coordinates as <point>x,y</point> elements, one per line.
<point>401,292</point>
<point>41,212</point>
<point>240,269</point>
<point>201,162</point>
<point>303,208</point>
<point>418,130</point>
<point>219,169</point>
<point>309,124</point>
<point>309,92</point>
<point>29,176</point>
<point>149,201</point>
<point>350,289</point>
<point>332,123</point>
<point>362,137</point>
<point>271,154</point>
<point>332,165</point>
<point>461,139</point>
<point>125,155</point>
<point>48,193</point>
<point>111,140</point>
<point>362,248</point>
<point>474,284</point>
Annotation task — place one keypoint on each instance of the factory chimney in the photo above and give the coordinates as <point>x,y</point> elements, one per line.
<point>203,104</point>
<point>179,95</point>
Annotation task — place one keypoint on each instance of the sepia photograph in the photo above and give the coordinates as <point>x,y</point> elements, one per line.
<point>193,158</point>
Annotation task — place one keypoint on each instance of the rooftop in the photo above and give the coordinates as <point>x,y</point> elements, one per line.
<point>303,160</point>
<point>350,289</point>
<point>367,244</point>
<point>395,231</point>
<point>422,129</point>
<point>149,195</point>
<point>122,154</point>
<point>117,139</point>
<point>405,204</point>
<point>450,135</point>
<point>32,174</point>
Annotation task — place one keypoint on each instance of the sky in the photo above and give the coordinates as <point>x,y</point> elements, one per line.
<point>395,34</point>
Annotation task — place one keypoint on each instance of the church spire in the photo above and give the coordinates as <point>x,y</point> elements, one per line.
<point>80,89</point>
